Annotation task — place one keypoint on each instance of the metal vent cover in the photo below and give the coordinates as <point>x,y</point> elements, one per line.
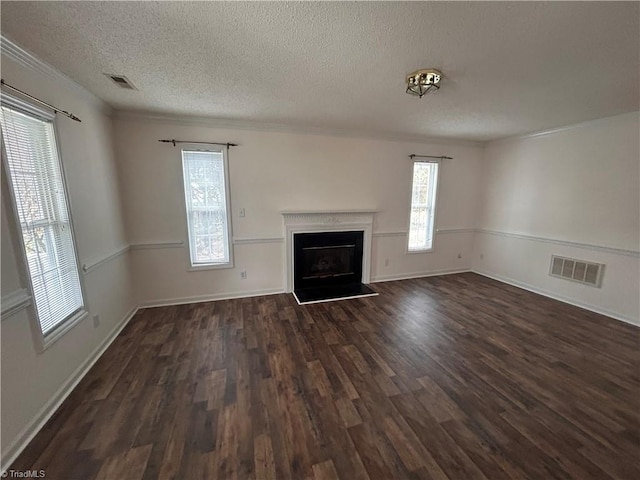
<point>587,273</point>
<point>121,81</point>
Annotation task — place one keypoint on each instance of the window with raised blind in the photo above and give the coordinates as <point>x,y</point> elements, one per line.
<point>35,176</point>
<point>207,202</point>
<point>423,205</point>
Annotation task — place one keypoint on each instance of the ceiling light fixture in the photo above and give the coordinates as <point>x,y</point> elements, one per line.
<point>423,81</point>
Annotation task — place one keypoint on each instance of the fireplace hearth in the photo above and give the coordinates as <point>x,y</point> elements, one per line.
<point>328,266</point>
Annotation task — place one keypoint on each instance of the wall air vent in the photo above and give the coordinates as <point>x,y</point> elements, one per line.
<point>580,271</point>
<point>121,81</point>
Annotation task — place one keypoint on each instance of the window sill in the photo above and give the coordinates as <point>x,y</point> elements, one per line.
<point>426,250</point>
<point>59,332</point>
<point>210,266</point>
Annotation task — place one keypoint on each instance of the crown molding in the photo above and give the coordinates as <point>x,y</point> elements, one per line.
<point>564,128</point>
<point>23,57</point>
<point>203,121</point>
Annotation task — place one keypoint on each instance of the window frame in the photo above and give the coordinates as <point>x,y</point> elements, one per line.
<point>42,341</point>
<point>434,207</point>
<point>227,193</point>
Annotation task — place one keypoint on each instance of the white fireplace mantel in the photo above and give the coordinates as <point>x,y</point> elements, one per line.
<point>327,221</point>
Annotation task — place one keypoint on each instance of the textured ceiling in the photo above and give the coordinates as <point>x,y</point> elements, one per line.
<point>509,68</point>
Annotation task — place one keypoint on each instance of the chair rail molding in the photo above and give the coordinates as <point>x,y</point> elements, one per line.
<point>155,245</point>
<point>444,231</point>
<point>255,240</point>
<point>91,265</point>
<point>398,233</point>
<point>15,301</point>
<point>555,241</point>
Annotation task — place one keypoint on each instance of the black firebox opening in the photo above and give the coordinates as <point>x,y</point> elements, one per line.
<point>324,259</point>
<point>328,265</point>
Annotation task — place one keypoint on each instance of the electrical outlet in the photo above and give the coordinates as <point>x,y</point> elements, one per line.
<point>386,262</point>
<point>96,321</point>
<point>243,274</point>
<point>481,256</point>
<point>242,212</point>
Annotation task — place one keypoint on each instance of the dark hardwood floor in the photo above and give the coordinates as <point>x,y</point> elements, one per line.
<point>456,377</point>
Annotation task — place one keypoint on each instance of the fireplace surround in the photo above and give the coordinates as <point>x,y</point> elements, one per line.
<point>334,249</point>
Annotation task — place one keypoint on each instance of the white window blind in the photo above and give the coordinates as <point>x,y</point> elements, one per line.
<point>207,207</point>
<point>423,203</point>
<point>38,189</point>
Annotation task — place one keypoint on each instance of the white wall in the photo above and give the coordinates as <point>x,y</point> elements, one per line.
<point>574,192</point>
<point>33,382</point>
<point>273,171</point>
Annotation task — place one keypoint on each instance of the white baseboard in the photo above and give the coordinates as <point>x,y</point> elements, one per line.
<point>407,276</point>
<point>166,302</point>
<point>561,298</point>
<point>22,440</point>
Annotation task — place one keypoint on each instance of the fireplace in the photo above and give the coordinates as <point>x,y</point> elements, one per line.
<point>328,266</point>
<point>327,254</point>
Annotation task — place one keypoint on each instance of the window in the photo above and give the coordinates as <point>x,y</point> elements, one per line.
<point>37,185</point>
<point>423,205</point>
<point>207,202</point>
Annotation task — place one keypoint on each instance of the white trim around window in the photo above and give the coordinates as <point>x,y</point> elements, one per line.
<point>423,206</point>
<point>41,211</point>
<point>207,207</point>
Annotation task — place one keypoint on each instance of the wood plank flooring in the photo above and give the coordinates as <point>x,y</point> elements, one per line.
<point>453,377</point>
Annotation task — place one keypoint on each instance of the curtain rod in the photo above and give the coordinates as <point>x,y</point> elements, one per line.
<point>55,109</point>
<point>441,157</point>
<point>203,143</point>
